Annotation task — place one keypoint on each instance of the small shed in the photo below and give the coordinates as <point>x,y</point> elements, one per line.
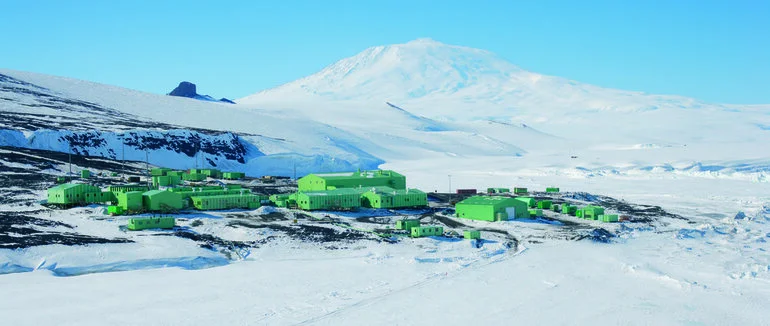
<point>591,212</point>
<point>472,234</point>
<point>233,175</point>
<point>407,224</point>
<point>517,190</point>
<point>85,174</point>
<point>426,231</point>
<point>544,204</point>
<point>552,189</point>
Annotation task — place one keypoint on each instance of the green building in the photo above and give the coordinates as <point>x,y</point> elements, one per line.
<point>535,212</point>
<point>607,218</point>
<point>552,189</point>
<point>426,231</point>
<point>114,210</point>
<point>130,201</point>
<point>193,177</point>
<point>328,200</point>
<point>233,175</point>
<point>74,194</point>
<point>591,212</point>
<point>214,173</point>
<point>166,181</point>
<point>249,201</point>
<point>530,202</point>
<point>498,190</point>
<point>491,208</point>
<point>472,234</point>
<point>85,174</point>
<point>359,179</point>
<point>157,172</point>
<point>386,197</point>
<point>142,223</point>
<point>280,200</point>
<point>544,204</point>
<point>126,188</point>
<point>407,224</point>
<point>161,200</point>
<point>519,190</point>
<point>568,209</point>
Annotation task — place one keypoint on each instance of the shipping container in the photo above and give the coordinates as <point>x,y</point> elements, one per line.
<point>249,201</point>
<point>519,190</point>
<point>552,189</point>
<point>143,223</point>
<point>407,224</point>
<point>544,204</point>
<point>426,231</point>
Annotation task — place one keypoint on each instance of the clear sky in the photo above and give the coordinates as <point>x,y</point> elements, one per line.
<point>718,51</point>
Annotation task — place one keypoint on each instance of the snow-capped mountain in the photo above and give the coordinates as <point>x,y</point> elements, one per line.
<point>457,83</point>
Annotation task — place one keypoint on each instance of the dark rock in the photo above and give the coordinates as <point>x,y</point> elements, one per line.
<point>226,100</point>
<point>185,89</point>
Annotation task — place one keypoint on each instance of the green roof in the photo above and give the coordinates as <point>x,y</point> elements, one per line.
<point>389,190</point>
<point>339,191</point>
<point>485,200</point>
<point>65,186</point>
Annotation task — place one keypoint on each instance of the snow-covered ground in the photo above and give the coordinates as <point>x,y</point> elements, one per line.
<point>446,116</point>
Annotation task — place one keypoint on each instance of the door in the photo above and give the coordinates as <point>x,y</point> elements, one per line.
<point>511,211</point>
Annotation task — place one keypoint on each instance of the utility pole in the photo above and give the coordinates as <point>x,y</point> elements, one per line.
<point>123,158</point>
<point>295,170</point>
<point>70,159</point>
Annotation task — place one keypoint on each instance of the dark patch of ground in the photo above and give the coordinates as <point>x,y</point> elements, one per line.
<point>20,230</point>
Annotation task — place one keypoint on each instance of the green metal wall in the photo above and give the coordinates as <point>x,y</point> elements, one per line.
<point>488,208</point>
<point>328,200</point>
<point>250,201</point>
<point>386,197</point>
<point>130,201</point>
<point>426,231</point>
<point>161,200</point>
<point>407,224</point>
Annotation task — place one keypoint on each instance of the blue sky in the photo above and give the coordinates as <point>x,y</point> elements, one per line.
<point>718,51</point>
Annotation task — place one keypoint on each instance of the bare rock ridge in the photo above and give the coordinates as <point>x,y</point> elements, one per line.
<point>189,90</point>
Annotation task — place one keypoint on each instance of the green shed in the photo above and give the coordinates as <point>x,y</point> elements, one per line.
<point>233,175</point>
<point>591,212</point>
<point>491,208</point>
<point>386,197</point>
<point>551,189</point>
<point>498,190</point>
<point>130,201</point>
<point>535,212</point>
<point>161,200</point>
<point>608,218</point>
<point>472,234</point>
<point>85,174</point>
<point>568,209</point>
<point>530,202</point>
<point>330,181</point>
<point>193,177</point>
<point>426,231</point>
<point>214,173</point>
<point>329,199</point>
<point>544,204</point>
<point>407,224</point>
<point>157,172</point>
<point>142,223</point>
<point>114,210</point>
<point>517,190</point>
